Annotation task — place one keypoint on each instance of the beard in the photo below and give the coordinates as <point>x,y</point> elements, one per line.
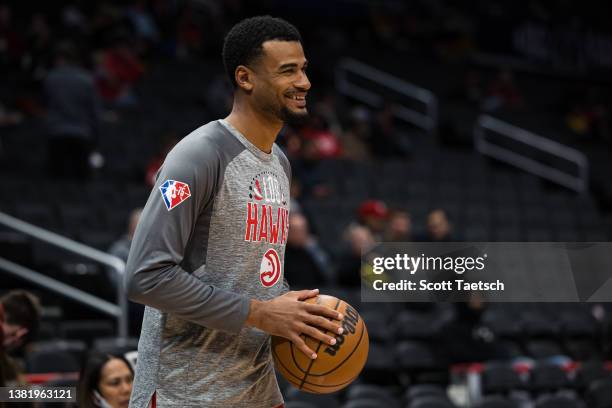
<point>293,118</point>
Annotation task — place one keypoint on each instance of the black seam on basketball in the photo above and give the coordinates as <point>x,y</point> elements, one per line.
<point>343,384</point>
<point>279,361</point>
<point>316,351</point>
<point>350,354</point>
<point>291,347</point>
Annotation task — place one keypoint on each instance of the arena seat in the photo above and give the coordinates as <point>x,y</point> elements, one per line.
<point>496,401</point>
<point>500,378</point>
<point>558,401</point>
<point>431,401</point>
<point>548,377</point>
<point>599,393</point>
<point>319,400</point>
<point>375,392</point>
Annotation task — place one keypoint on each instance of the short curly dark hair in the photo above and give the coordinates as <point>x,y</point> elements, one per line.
<point>243,44</point>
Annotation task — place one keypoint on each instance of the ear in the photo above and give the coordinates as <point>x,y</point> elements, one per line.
<point>244,78</point>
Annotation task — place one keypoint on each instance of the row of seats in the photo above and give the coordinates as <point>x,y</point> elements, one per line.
<point>436,396</point>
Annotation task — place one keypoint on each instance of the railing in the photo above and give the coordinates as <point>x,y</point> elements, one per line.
<point>578,182</point>
<point>119,311</point>
<point>427,120</point>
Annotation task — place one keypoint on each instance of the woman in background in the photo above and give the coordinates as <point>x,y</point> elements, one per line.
<point>106,382</point>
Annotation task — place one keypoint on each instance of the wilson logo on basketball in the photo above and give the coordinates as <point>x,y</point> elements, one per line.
<point>270,269</point>
<point>351,318</point>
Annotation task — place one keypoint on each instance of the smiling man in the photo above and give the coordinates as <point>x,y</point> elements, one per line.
<point>207,256</point>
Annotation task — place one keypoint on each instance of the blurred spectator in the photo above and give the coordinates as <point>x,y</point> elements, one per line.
<point>219,96</point>
<point>589,119</point>
<point>121,249</point>
<point>374,214</point>
<point>3,356</point>
<point>465,339</point>
<point>13,45</point>
<point>18,327</point>
<point>8,117</point>
<point>10,374</point>
<point>105,382</point>
<point>22,312</point>
<point>359,239</point>
<point>117,70</point>
<point>308,169</point>
<point>321,138</point>
<point>73,115</point>
<point>306,263</point>
<point>502,93</point>
<point>438,227</point>
<point>387,140</point>
<point>39,46</point>
<point>399,227</point>
<point>355,140</point>
<point>144,26</point>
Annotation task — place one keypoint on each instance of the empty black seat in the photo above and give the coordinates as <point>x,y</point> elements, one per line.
<point>431,401</point>
<point>496,401</point>
<point>548,377</point>
<point>499,377</point>
<point>558,401</point>
<point>375,392</point>
<point>599,394</point>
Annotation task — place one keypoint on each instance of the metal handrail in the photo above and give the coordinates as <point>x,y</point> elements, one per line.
<point>427,121</point>
<point>579,183</point>
<point>119,311</point>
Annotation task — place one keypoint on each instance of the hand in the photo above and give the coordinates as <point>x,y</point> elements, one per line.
<point>288,316</point>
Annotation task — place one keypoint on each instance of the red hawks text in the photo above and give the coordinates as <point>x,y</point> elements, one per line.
<point>263,225</point>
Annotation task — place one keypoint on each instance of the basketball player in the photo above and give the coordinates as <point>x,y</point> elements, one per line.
<point>207,256</point>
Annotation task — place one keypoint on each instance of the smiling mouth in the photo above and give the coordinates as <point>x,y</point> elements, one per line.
<point>300,100</point>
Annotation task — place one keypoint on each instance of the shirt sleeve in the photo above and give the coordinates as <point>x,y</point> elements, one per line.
<point>185,186</point>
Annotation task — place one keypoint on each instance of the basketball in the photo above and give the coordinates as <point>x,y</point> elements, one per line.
<point>335,366</point>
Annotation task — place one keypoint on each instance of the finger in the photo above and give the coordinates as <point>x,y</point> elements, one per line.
<point>323,311</point>
<point>324,323</point>
<point>318,335</point>
<point>307,294</point>
<point>301,344</point>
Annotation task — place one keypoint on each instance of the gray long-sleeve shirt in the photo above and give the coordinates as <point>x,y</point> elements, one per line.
<point>211,237</point>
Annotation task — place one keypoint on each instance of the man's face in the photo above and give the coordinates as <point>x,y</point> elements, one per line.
<point>280,81</point>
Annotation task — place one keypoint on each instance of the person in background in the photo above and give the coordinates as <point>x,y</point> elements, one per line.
<point>359,239</point>
<point>399,227</point>
<point>73,115</point>
<point>105,382</point>
<point>121,249</point>
<point>21,320</point>
<point>374,214</point>
<point>306,263</point>
<point>438,227</point>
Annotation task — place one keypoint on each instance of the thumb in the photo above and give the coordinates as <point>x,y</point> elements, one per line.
<point>307,294</point>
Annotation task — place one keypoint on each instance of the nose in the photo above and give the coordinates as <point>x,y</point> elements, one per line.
<point>126,387</point>
<point>302,83</point>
